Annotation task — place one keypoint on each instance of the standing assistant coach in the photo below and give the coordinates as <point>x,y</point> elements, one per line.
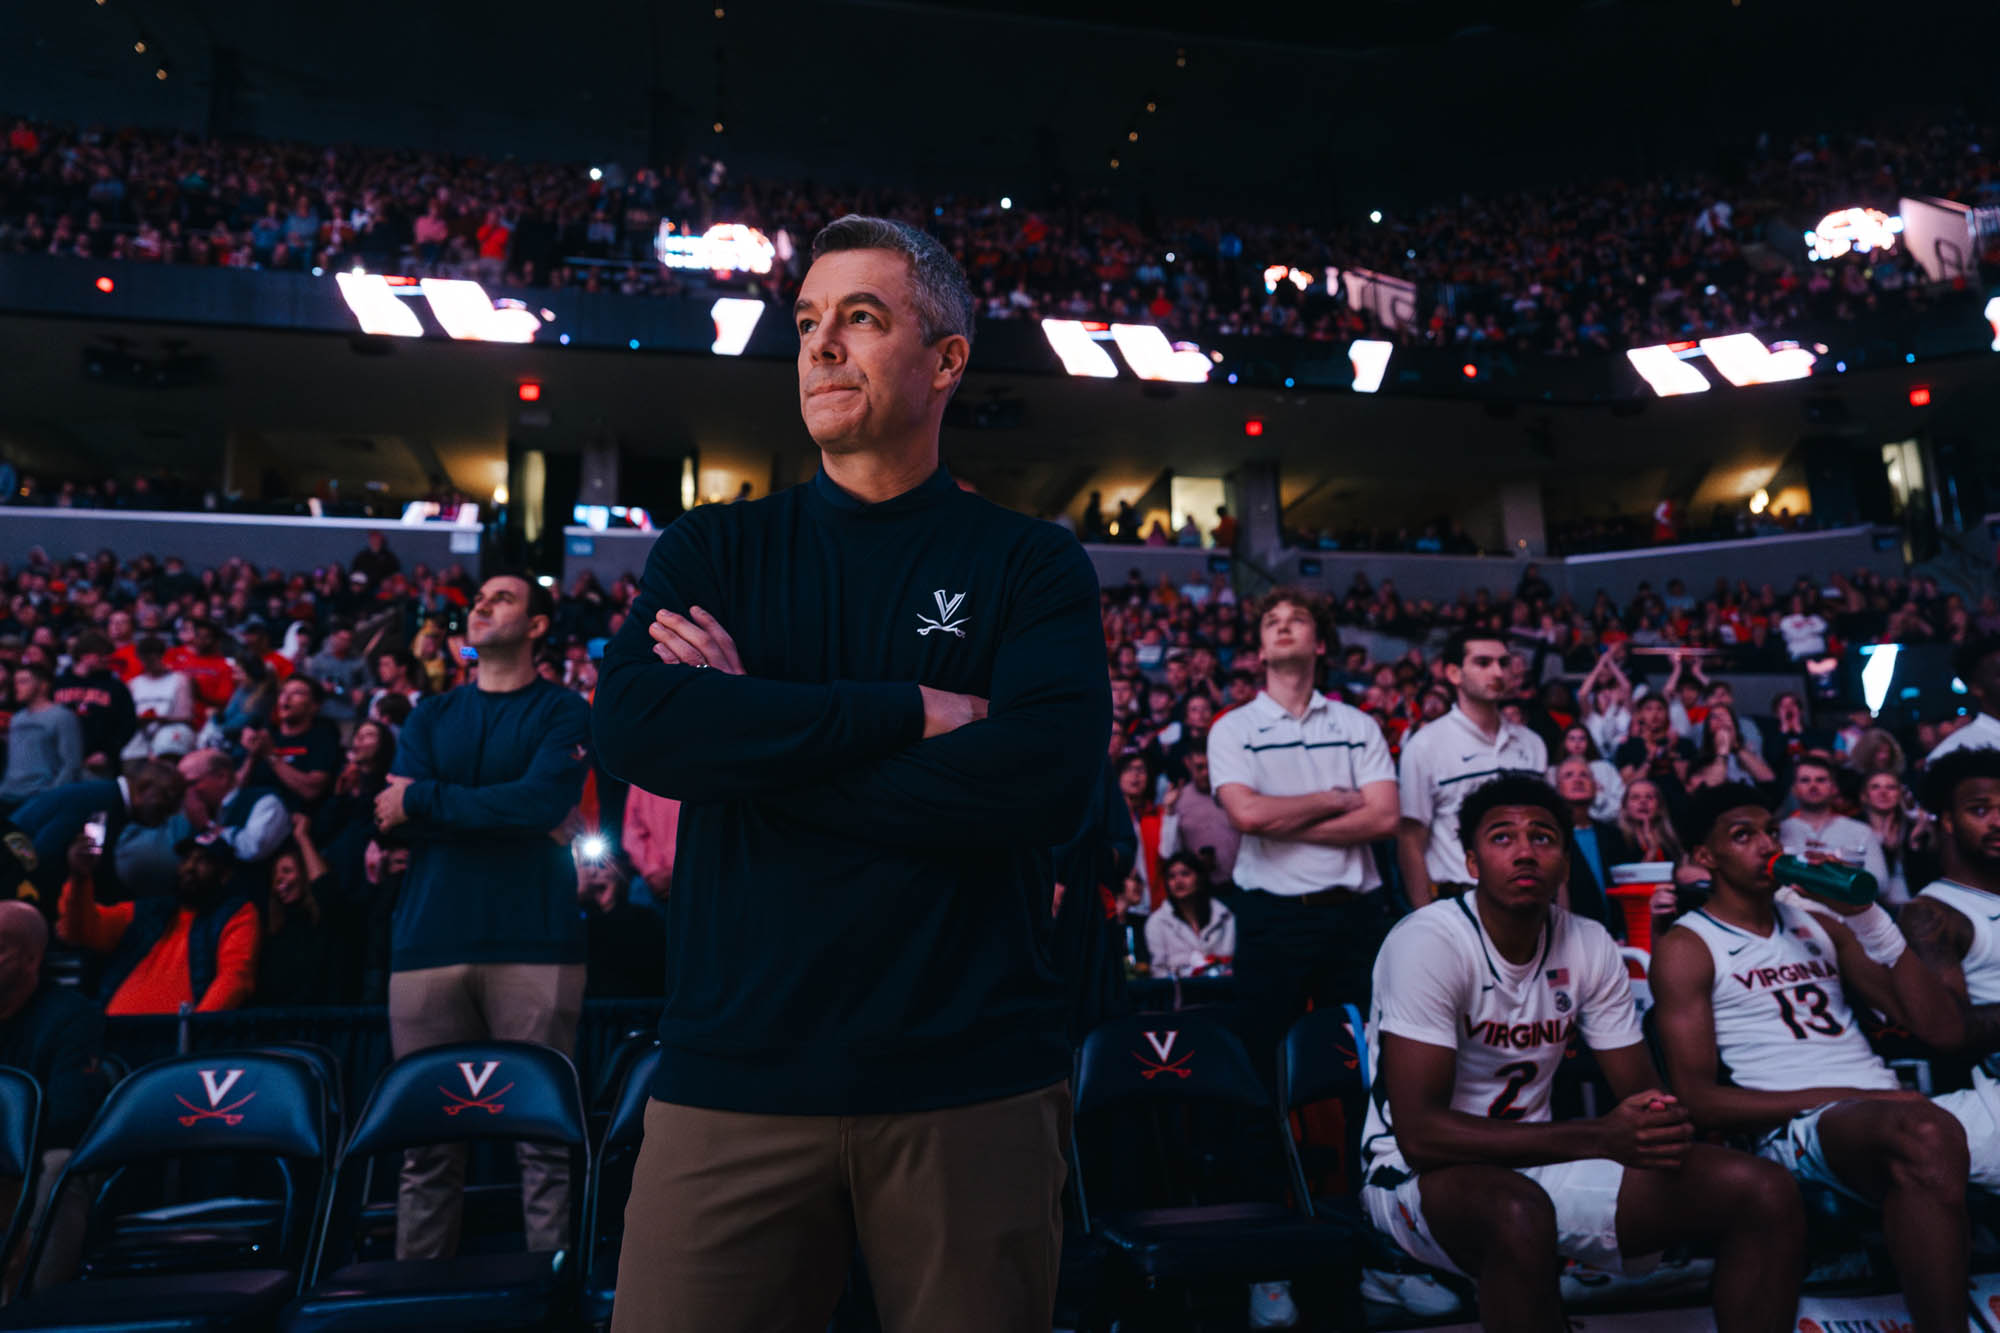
<point>882,701</point>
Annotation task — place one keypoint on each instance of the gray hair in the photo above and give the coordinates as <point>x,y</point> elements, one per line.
<point>943,295</point>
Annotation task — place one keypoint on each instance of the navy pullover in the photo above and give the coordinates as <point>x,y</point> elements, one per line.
<point>494,773</point>
<point>859,921</point>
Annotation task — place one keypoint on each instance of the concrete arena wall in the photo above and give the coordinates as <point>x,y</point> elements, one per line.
<point>204,540</point>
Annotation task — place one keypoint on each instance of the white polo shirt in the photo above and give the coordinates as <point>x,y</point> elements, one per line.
<point>1442,763</point>
<point>1265,748</point>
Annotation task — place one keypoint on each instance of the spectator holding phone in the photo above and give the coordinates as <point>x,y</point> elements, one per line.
<point>146,794</point>
<point>1654,752</point>
<point>197,947</point>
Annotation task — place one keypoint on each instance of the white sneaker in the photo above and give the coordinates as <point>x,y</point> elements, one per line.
<point>1271,1305</point>
<point>1418,1294</point>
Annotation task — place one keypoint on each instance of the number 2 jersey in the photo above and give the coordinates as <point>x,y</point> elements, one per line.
<point>1440,981</point>
<point>1782,1021</point>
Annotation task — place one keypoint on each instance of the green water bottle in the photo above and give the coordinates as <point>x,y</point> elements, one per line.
<point>1829,879</point>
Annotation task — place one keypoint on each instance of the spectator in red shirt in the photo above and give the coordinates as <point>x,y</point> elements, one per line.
<point>203,663</point>
<point>197,947</point>
<point>1135,784</point>
<point>124,644</point>
<point>255,637</point>
<point>495,237</point>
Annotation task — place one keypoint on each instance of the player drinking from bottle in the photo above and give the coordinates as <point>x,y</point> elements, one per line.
<point>1476,998</point>
<point>1757,983</point>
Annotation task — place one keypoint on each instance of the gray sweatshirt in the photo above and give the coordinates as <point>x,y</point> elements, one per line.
<point>44,750</point>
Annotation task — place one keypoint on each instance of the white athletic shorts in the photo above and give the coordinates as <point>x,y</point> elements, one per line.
<point>1795,1144</point>
<point>1585,1195</point>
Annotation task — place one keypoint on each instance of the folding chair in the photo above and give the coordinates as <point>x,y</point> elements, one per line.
<point>218,1231</point>
<point>1325,1058</point>
<point>1195,1066</point>
<point>461,1093</point>
<point>611,1185</point>
<point>20,1136</point>
<point>244,1105</point>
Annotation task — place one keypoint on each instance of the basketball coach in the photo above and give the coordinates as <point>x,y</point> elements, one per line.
<point>882,701</point>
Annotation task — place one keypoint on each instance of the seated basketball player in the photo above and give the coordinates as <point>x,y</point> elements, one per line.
<point>1954,924</point>
<point>1756,984</point>
<point>1476,998</point>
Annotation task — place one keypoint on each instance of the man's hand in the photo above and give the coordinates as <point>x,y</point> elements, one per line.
<point>1172,799</point>
<point>256,743</point>
<point>82,857</point>
<point>389,810</point>
<point>947,712</point>
<point>1648,1129</point>
<point>696,640</point>
<point>1833,906</point>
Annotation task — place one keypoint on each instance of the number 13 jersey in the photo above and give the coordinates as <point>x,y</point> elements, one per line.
<point>1439,981</point>
<point>1782,1021</point>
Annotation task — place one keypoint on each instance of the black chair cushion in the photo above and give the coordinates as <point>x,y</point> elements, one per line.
<point>212,1302</point>
<point>482,1291</point>
<point>219,1233</point>
<point>1249,1239</point>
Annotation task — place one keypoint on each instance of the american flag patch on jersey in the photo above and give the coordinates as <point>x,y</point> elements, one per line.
<point>1558,976</point>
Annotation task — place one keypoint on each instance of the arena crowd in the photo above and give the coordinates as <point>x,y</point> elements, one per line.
<point>1572,270</point>
<point>269,704</point>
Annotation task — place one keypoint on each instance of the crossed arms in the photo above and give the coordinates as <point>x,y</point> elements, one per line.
<point>883,761</point>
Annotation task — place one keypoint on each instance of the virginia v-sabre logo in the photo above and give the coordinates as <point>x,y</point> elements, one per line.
<point>215,1085</point>
<point>476,1082</point>
<point>1163,1047</point>
<point>947,607</point>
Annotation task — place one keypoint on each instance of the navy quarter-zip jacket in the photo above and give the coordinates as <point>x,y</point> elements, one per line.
<point>860,918</point>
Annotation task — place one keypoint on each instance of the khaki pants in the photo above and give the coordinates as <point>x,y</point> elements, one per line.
<point>746,1223</point>
<point>475,1002</point>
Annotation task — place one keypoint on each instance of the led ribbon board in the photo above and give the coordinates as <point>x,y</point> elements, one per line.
<point>1077,343</point>
<point>727,247</point>
<point>461,307</point>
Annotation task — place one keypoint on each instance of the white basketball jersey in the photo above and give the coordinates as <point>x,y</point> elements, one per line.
<point>1782,1021</point>
<point>1982,960</point>
<point>1439,980</point>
